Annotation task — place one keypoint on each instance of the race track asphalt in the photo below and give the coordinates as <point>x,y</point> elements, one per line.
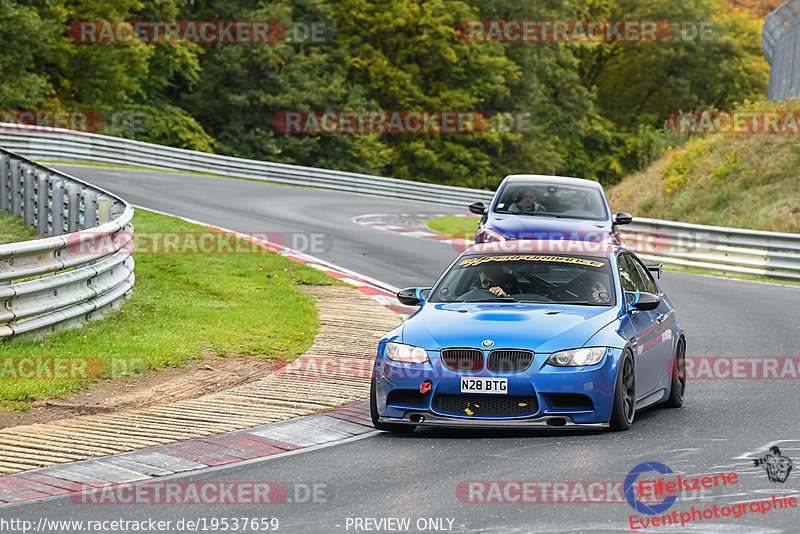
<point>722,426</point>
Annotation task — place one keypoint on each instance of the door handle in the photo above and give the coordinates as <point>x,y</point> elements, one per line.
<point>660,319</point>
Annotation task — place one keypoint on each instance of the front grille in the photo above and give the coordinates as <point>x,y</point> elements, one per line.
<point>463,359</point>
<point>486,405</point>
<point>509,361</point>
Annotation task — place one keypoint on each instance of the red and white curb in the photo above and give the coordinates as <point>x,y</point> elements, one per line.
<point>410,224</point>
<point>344,422</point>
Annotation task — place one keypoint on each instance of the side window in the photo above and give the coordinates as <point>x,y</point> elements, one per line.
<point>646,278</point>
<point>629,274</point>
<point>624,275</point>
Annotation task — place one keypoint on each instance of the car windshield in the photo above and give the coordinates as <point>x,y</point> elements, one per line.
<point>563,278</point>
<point>552,200</point>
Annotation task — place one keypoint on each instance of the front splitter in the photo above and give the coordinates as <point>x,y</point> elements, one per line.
<point>550,422</point>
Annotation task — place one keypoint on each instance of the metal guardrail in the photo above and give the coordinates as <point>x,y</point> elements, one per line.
<point>58,144</point>
<point>83,269</point>
<point>730,251</point>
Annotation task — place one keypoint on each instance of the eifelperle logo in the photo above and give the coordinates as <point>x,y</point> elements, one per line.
<point>487,343</point>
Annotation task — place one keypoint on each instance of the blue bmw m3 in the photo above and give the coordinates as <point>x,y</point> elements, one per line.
<point>532,333</point>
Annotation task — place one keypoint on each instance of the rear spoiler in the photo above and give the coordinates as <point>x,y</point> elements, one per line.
<point>655,268</point>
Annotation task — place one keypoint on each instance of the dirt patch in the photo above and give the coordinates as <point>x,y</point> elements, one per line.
<point>193,379</point>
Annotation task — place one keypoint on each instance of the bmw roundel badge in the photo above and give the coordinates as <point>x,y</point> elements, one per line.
<point>487,343</point>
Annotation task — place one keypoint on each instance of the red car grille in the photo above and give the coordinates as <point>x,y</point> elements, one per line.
<point>463,359</point>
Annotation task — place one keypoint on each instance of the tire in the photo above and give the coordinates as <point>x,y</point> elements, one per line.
<point>624,403</point>
<point>678,386</point>
<point>388,427</point>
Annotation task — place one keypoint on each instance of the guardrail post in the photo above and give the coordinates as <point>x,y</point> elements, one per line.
<point>89,208</point>
<point>58,207</point>
<point>16,193</point>
<point>116,209</point>
<point>73,208</point>
<point>28,196</point>
<point>4,160</point>
<point>42,203</point>
<point>103,209</point>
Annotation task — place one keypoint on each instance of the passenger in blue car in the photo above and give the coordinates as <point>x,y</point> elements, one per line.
<point>528,204</point>
<point>578,206</point>
<point>598,293</point>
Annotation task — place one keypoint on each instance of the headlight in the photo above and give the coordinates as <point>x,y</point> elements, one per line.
<point>405,353</point>
<point>491,235</point>
<point>577,357</point>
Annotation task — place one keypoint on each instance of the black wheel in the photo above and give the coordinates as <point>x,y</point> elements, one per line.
<point>388,427</point>
<point>624,404</point>
<point>678,386</point>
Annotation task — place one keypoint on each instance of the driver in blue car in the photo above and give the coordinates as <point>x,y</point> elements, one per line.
<point>494,279</point>
<point>528,204</point>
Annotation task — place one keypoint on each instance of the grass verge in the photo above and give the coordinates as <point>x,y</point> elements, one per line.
<point>12,230</point>
<point>182,304</point>
<point>741,181</point>
<point>450,225</point>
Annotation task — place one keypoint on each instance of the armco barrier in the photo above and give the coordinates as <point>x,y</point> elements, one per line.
<point>66,145</point>
<point>729,251</point>
<point>81,270</point>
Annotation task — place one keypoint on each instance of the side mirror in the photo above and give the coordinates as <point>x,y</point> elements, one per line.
<point>413,296</point>
<point>641,301</point>
<point>622,218</point>
<point>478,208</point>
<point>655,268</point>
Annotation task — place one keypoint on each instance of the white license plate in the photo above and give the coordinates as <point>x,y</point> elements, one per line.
<point>496,386</point>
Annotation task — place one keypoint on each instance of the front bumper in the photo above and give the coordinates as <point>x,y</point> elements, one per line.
<point>418,418</point>
<point>548,385</point>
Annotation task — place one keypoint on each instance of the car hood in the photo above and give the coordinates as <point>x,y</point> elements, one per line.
<point>539,227</point>
<point>508,325</point>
